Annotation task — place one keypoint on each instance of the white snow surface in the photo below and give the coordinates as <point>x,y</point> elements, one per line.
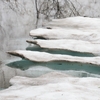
<point>68,88</point>
<point>47,57</point>
<point>68,44</point>
<point>79,28</point>
<point>83,35</point>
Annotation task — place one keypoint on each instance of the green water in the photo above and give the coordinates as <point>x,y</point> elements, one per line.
<point>57,66</point>
<point>1,89</point>
<point>60,66</point>
<point>64,52</point>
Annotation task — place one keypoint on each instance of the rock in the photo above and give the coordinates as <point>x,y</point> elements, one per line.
<point>69,44</point>
<point>37,56</point>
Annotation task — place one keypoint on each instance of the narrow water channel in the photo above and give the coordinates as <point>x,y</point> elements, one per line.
<point>28,68</point>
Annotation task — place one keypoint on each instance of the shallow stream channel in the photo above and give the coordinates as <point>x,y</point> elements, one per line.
<point>23,67</point>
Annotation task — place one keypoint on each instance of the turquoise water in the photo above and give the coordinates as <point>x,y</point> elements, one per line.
<point>60,66</point>
<point>66,52</point>
<point>1,89</point>
<point>57,65</point>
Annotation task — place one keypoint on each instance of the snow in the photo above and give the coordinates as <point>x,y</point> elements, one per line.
<point>68,44</point>
<point>47,57</point>
<point>79,28</point>
<point>68,88</point>
<point>80,34</point>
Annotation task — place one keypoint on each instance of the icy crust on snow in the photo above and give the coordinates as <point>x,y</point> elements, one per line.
<point>68,44</point>
<point>47,57</point>
<point>78,22</point>
<point>64,33</point>
<point>81,35</point>
<point>80,28</point>
<point>52,77</point>
<point>64,87</point>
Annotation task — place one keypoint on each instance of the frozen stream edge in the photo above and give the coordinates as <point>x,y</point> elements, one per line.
<point>55,86</point>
